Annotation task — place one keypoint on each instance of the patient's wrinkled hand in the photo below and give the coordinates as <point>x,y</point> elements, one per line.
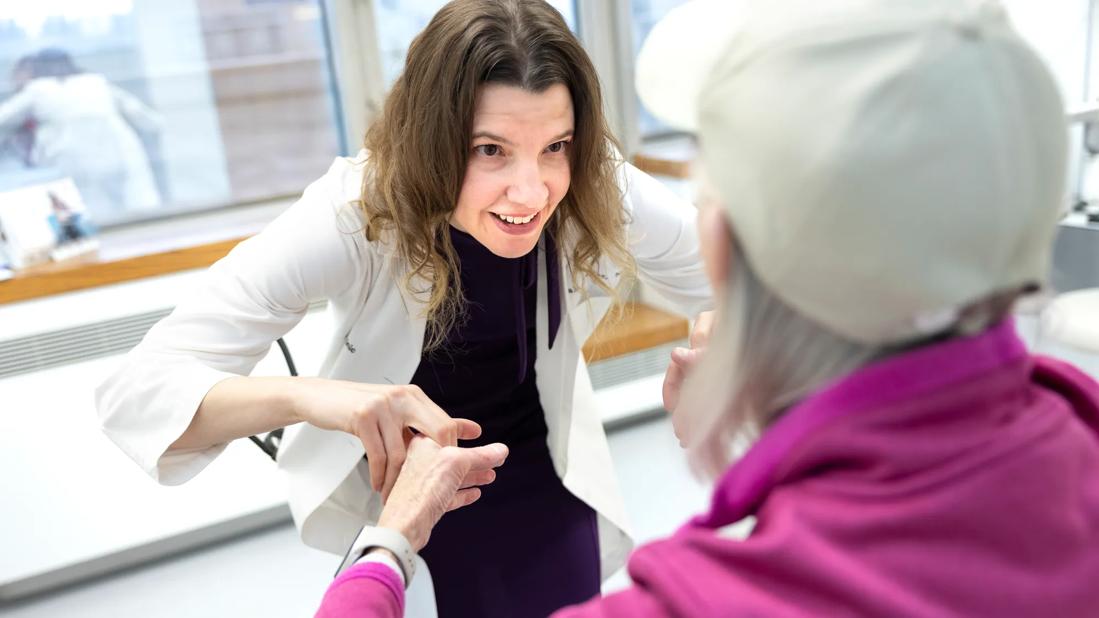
<point>436,479</point>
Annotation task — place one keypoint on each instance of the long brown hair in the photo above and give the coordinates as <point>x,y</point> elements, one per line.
<point>419,146</point>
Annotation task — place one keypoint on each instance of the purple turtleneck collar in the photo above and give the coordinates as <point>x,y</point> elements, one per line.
<point>475,258</point>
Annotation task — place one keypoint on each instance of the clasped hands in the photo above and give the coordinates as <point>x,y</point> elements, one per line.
<point>411,443</point>
<point>411,449</point>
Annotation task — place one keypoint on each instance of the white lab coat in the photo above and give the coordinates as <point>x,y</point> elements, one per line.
<point>84,130</point>
<point>316,250</point>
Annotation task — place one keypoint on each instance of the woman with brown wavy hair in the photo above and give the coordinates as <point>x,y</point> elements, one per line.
<point>465,257</point>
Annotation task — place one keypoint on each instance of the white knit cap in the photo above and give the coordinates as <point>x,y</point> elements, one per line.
<point>883,162</point>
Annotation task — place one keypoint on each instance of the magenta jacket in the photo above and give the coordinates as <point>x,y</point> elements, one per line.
<point>960,479</point>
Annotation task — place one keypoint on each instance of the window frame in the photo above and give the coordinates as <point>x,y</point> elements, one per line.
<point>603,28</point>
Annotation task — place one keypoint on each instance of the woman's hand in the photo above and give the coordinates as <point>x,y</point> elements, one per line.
<point>436,479</point>
<point>379,416</point>
<point>684,359</point>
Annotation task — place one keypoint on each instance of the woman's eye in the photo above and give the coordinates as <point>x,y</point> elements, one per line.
<point>488,150</point>
<point>557,146</point>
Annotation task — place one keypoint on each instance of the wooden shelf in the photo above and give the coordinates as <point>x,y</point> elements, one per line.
<point>640,327</point>
<point>662,167</point>
<point>89,271</point>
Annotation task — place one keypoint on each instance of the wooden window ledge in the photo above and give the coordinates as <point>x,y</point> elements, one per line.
<point>641,327</point>
<point>91,271</point>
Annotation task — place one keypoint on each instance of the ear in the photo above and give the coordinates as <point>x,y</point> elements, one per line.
<point>715,236</point>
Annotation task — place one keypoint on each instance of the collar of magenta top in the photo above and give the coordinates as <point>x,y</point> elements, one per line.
<point>878,386</point>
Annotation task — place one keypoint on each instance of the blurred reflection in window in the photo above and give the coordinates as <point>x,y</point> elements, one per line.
<point>159,107</point>
<point>77,123</point>
<point>401,20</point>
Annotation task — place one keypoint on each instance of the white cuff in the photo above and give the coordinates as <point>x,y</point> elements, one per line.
<point>373,536</point>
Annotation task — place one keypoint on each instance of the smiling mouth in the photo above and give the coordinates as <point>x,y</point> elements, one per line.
<point>515,220</point>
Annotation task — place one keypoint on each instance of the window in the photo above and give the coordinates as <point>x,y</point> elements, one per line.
<point>159,108</point>
<point>401,20</point>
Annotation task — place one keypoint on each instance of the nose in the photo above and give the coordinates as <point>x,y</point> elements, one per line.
<point>527,187</point>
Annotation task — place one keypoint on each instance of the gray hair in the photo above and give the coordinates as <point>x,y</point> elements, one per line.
<point>764,356</point>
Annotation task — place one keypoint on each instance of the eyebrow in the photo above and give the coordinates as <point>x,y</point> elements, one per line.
<point>497,138</point>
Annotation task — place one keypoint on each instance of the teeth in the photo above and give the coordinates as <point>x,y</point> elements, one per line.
<point>516,220</point>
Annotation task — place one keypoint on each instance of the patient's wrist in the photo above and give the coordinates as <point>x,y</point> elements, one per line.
<point>382,553</point>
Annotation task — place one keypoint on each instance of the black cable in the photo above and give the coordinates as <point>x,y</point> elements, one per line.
<point>286,355</point>
<point>264,447</point>
<point>270,443</point>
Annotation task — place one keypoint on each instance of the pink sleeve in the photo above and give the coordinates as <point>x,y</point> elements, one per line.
<point>633,601</point>
<point>366,590</point>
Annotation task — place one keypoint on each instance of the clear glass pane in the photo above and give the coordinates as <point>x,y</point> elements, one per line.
<point>156,107</point>
<point>399,21</point>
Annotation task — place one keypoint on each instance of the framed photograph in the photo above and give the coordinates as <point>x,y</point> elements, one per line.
<point>44,222</point>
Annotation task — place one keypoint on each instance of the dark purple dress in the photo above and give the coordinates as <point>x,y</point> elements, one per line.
<point>528,546</point>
